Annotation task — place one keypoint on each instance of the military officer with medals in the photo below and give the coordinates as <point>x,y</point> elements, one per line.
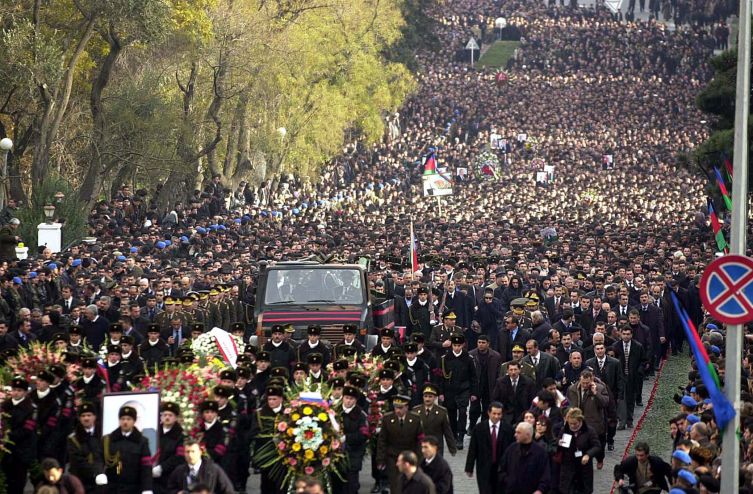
<point>435,419</point>
<point>526,368</point>
<point>400,430</point>
<point>439,341</point>
<point>518,309</point>
<point>458,383</point>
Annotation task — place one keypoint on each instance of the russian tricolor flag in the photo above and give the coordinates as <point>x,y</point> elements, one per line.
<point>413,250</point>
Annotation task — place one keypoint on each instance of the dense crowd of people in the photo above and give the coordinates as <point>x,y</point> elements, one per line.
<point>536,314</point>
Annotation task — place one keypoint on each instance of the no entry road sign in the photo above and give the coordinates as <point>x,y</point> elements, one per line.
<point>727,289</point>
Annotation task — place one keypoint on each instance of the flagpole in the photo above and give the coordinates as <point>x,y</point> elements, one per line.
<point>734,343</point>
<point>412,246</point>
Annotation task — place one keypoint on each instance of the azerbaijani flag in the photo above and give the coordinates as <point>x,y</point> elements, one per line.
<point>413,251</point>
<point>727,165</point>
<point>102,371</point>
<point>430,165</point>
<point>723,189</point>
<point>718,234</point>
<point>723,409</point>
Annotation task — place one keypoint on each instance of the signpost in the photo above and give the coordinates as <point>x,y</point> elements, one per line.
<point>472,45</point>
<point>727,289</point>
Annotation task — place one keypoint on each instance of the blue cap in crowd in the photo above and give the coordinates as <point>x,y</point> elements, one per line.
<point>161,245</point>
<point>33,275</point>
<point>689,402</point>
<point>52,265</point>
<point>682,456</point>
<point>687,477</point>
<point>76,262</point>
<point>17,280</point>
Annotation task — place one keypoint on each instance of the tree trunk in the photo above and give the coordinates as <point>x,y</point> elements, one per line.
<point>96,172</point>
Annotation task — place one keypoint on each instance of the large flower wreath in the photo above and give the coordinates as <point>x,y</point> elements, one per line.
<point>29,363</point>
<point>487,165</point>
<point>206,346</point>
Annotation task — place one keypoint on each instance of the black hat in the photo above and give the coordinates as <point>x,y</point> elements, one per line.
<point>352,391</point>
<point>386,374</point>
<point>114,349</point>
<point>211,405</point>
<point>229,374</point>
<point>75,329</point>
<point>153,328</point>
<point>59,370</point>
<point>423,289</point>
<point>314,358</point>
<point>245,372</point>
<point>314,330</point>
<point>357,379</point>
<point>59,337</point>
<point>197,326</point>
<point>411,347</point>
<point>19,383</point>
<point>274,391</point>
<point>238,326</point>
<point>388,332</point>
<point>279,372</point>
<point>245,358</point>
<point>169,406</point>
<point>263,356</point>
<point>350,329</point>
<point>46,376</point>
<point>127,339</point>
<point>392,365</point>
<point>223,391</point>
<point>115,326</point>
<point>89,363</point>
<point>127,411</point>
<point>337,382</point>
<point>457,339</point>
<point>300,366</point>
<point>277,328</point>
<point>348,351</point>
<point>394,351</point>
<point>137,378</point>
<point>186,357</point>
<point>86,407</point>
<point>340,364</point>
<point>418,338</point>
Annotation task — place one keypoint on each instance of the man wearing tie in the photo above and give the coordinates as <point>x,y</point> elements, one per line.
<point>608,370</point>
<point>653,317</point>
<point>554,304</point>
<point>489,436</point>
<point>633,362</point>
<point>174,335</point>
<point>151,310</point>
<point>196,470</point>
<point>67,302</point>
<point>623,308</point>
<point>546,365</point>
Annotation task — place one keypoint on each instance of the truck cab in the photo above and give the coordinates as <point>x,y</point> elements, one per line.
<point>310,292</point>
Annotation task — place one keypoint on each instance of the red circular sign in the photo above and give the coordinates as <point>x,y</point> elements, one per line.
<point>727,289</point>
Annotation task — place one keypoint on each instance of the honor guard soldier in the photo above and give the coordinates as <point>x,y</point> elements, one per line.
<point>401,430</point>
<point>458,384</point>
<point>526,368</point>
<point>439,341</point>
<point>246,401</point>
<point>229,417</point>
<point>214,436</point>
<point>349,353</point>
<point>341,367</point>
<point>315,361</point>
<point>22,434</point>
<point>153,350</point>
<point>170,454</point>
<point>428,357</point>
<point>435,420</point>
<point>281,354</point>
<point>128,461</point>
<point>84,448</point>
<point>48,412</point>
<point>262,425</point>
<point>355,427</point>
<point>313,345</point>
<point>349,339</point>
<point>386,338</point>
<point>90,385</point>
<point>421,314</point>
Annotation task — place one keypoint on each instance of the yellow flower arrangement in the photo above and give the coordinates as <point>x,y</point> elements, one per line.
<point>290,432</point>
<point>296,446</point>
<point>323,450</point>
<point>309,454</point>
<point>307,411</point>
<point>296,417</point>
<point>323,417</point>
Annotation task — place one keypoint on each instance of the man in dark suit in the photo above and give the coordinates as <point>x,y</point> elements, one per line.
<point>512,334</point>
<point>653,317</point>
<point>515,391</point>
<point>175,335</point>
<point>67,301</point>
<point>589,317</point>
<point>633,363</point>
<point>623,307</point>
<point>659,471</point>
<point>23,334</point>
<point>546,365</point>
<point>435,466</point>
<point>198,470</point>
<point>489,441</point>
<point>94,327</point>
<point>607,369</point>
<point>401,307</point>
<point>487,363</point>
<point>554,304</point>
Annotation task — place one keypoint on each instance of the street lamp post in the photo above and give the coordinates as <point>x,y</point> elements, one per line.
<point>5,146</point>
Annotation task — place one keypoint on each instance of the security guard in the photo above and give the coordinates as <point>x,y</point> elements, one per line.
<point>128,461</point>
<point>526,368</point>
<point>435,419</point>
<point>401,430</point>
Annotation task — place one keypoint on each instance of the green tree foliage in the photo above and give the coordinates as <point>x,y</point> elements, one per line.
<point>143,91</point>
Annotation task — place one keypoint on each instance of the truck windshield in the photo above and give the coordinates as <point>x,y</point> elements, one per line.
<point>315,286</point>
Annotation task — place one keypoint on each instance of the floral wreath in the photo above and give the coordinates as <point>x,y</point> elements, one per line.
<point>487,164</point>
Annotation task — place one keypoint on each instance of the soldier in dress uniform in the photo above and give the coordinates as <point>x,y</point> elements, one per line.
<point>170,454</point>
<point>401,430</point>
<point>419,369</point>
<point>281,354</point>
<point>90,385</point>
<point>458,384</point>
<point>128,461</point>
<point>214,436</point>
<point>154,349</point>
<point>262,376</point>
<point>341,367</point>
<point>229,417</point>
<point>385,393</point>
<point>84,447</point>
<point>421,313</point>
<point>518,309</point>
<point>263,424</point>
<point>439,341</point>
<point>76,340</point>
<point>210,299</point>
<point>386,339</point>
<point>349,339</point>
<point>48,412</point>
<point>355,427</point>
<point>313,345</point>
<point>403,380</point>
<point>435,420</point>
<point>288,336</point>
<point>130,361</point>
<point>428,357</point>
<point>171,310</point>
<point>67,396</point>
<point>315,361</point>
<point>246,401</point>
<point>526,368</point>
<point>114,368</point>
<point>21,429</point>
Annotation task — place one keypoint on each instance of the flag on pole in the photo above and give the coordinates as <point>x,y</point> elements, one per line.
<point>413,252</point>
<point>430,165</point>
<point>728,166</point>
<point>102,371</point>
<point>721,242</point>
<point>723,189</point>
<point>723,409</point>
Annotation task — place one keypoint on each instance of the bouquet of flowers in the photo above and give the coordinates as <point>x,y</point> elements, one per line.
<point>487,164</point>
<point>38,357</point>
<point>206,346</point>
<point>377,408</point>
<point>306,441</point>
<point>186,387</point>
<point>3,428</point>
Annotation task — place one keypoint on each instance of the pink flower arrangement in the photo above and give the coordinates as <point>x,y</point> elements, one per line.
<point>309,470</point>
<point>282,446</point>
<point>325,462</point>
<point>293,462</point>
<point>282,427</point>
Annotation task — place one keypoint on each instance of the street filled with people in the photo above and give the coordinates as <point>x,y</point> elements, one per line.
<point>520,334</point>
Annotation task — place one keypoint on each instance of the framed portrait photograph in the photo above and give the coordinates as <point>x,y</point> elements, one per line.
<point>147,412</point>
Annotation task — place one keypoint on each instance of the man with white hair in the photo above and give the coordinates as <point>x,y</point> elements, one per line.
<point>94,326</point>
<point>524,468</point>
